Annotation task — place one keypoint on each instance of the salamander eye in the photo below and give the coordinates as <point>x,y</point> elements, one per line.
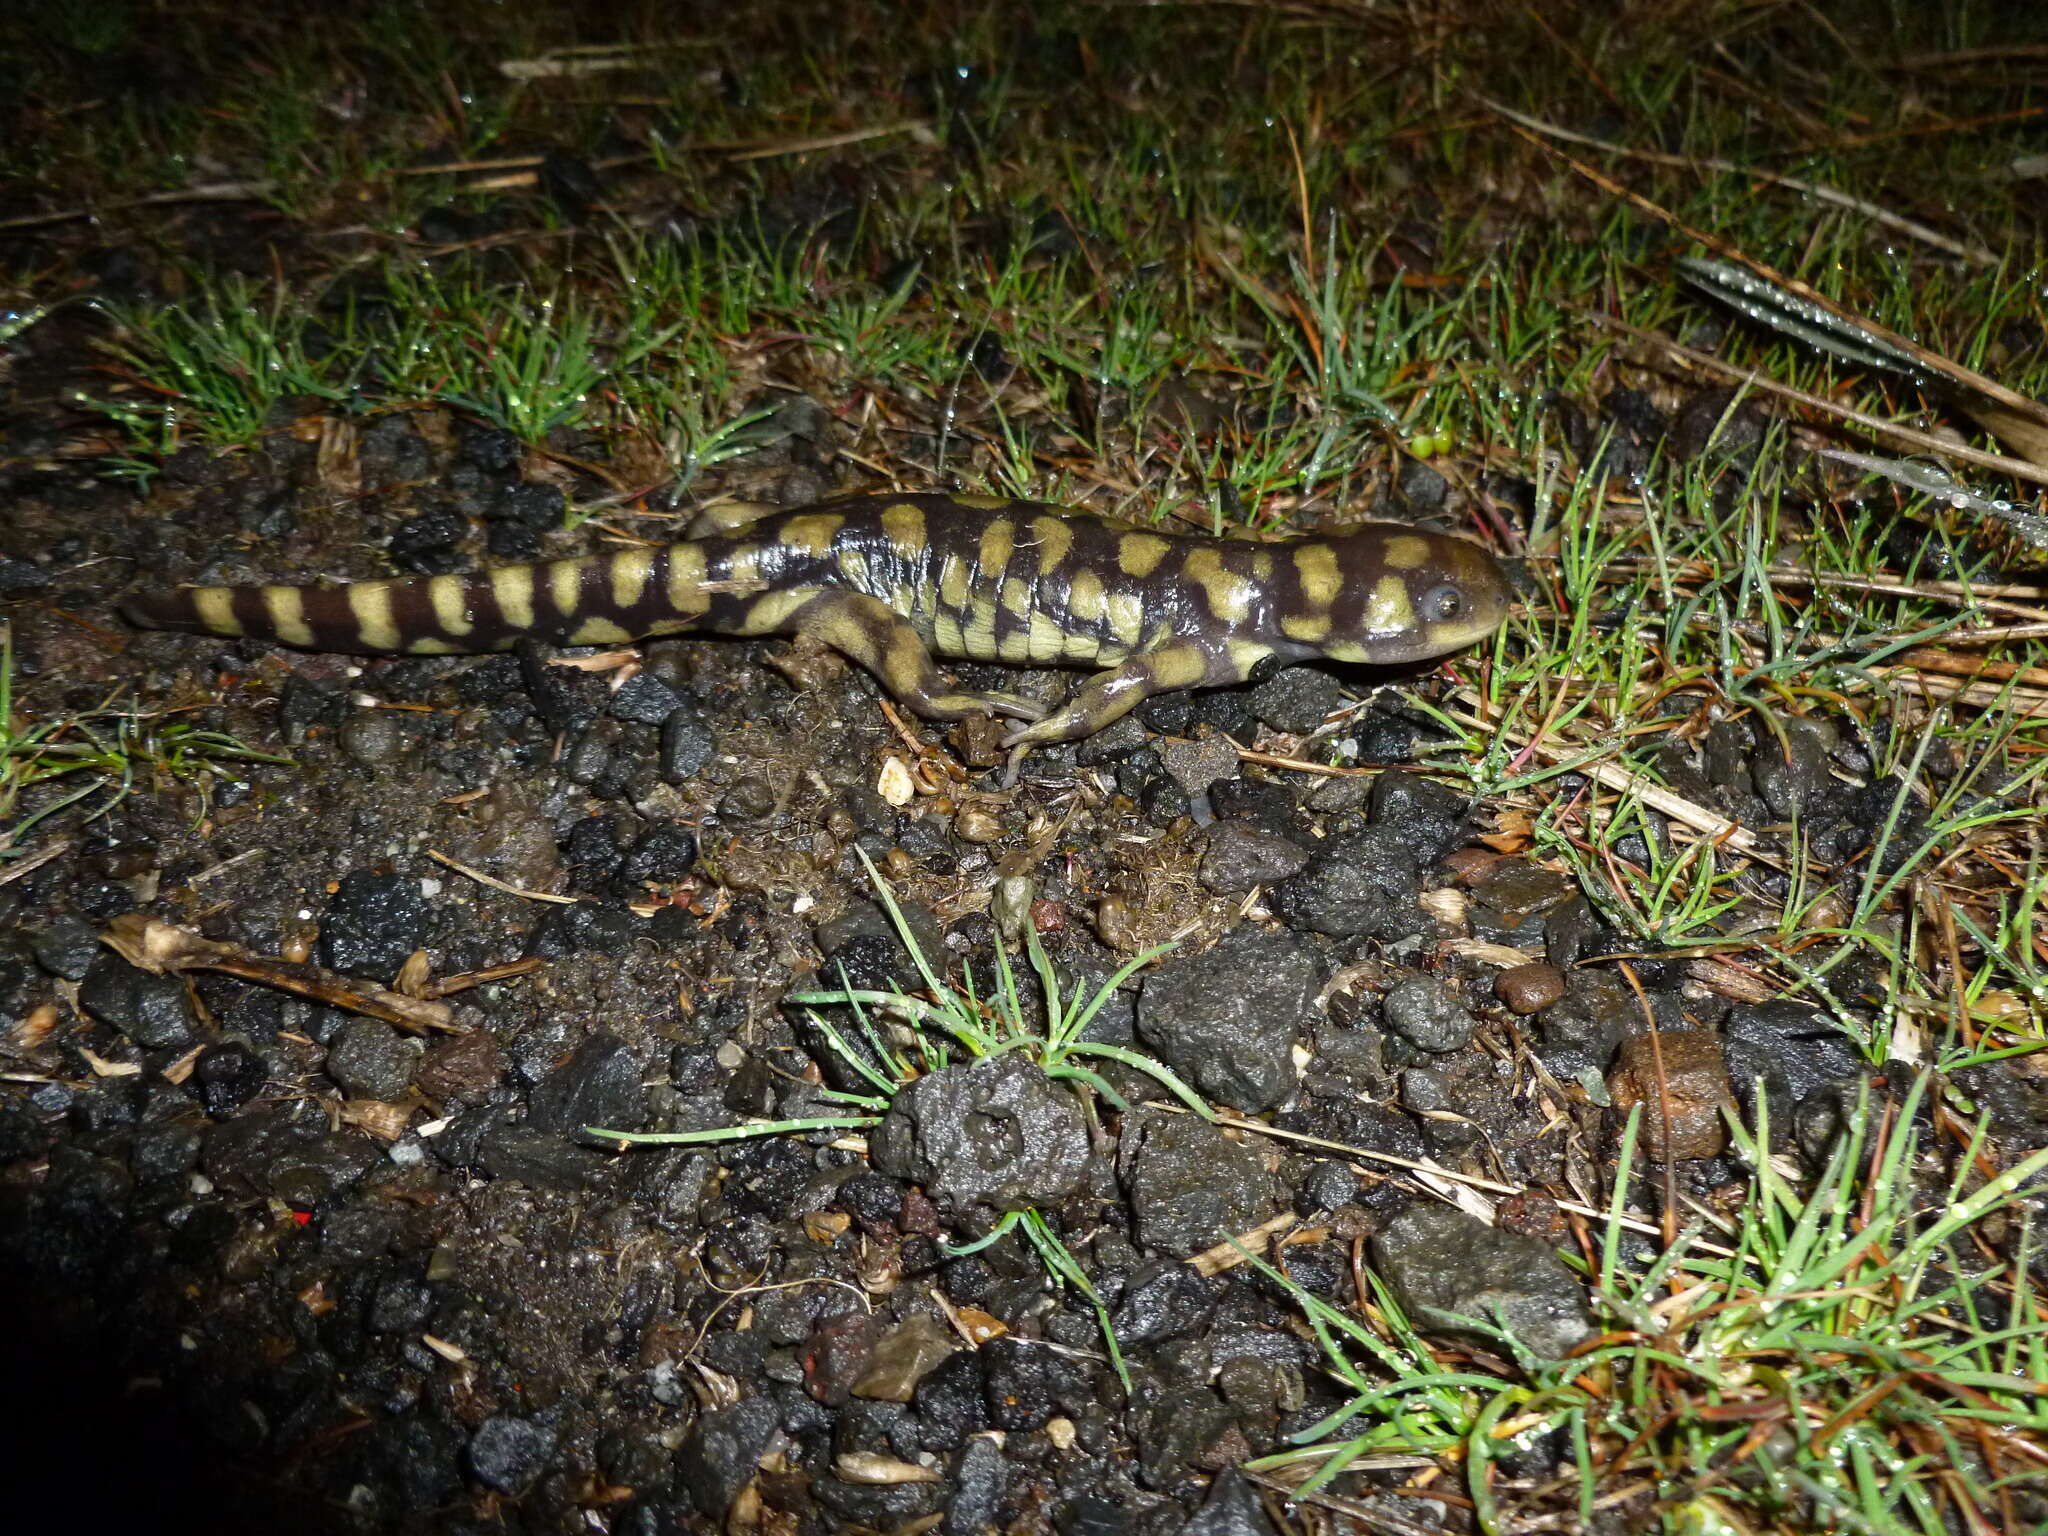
<point>1442,602</point>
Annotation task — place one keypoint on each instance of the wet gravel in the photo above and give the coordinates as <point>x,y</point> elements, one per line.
<point>383,1271</point>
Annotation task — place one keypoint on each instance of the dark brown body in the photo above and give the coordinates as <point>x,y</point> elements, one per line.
<point>895,580</point>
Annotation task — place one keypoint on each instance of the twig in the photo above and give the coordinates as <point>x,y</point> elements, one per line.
<point>499,885</point>
<point>212,192</point>
<point>2019,469</point>
<point>167,949</point>
<point>35,860</point>
<point>1820,191</point>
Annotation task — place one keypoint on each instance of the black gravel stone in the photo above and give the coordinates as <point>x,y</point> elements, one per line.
<point>979,1481</point>
<point>154,1011</point>
<point>582,929</point>
<point>1422,812</point>
<point>1230,711</point>
<point>664,854</point>
<point>1026,1383</point>
<point>401,1304</point>
<point>719,1458</point>
<point>540,1159</point>
<point>161,1155</point>
<point>1227,1020</point>
<point>1113,743</point>
<point>507,1454</point>
<point>492,449</point>
<point>1425,1012</point>
<point>1189,1185</point>
<point>1366,884</point>
<point>1422,487</point>
<point>598,1085</point>
<point>371,1060</point>
<point>67,946</point>
<point>1232,1508</point>
<point>686,744</point>
<point>1240,856</point>
<point>227,1076</point>
<point>1296,699</point>
<point>566,698</point>
<point>373,924</point>
<point>1782,1052</point>
<point>430,542</point>
<point>645,699</point>
<point>1163,1300</point>
<point>984,1137</point>
<point>1449,1269</point>
<point>266,1154</point>
<point>951,1401</point>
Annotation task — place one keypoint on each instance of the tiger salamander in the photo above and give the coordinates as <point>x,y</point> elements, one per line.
<point>895,580</point>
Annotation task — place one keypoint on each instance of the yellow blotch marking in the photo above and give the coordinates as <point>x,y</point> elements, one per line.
<point>982,503</point>
<point>853,569</point>
<point>1046,641</point>
<point>1054,539</point>
<point>1262,567</point>
<point>1178,666</point>
<point>565,586</point>
<point>903,526</point>
<point>512,589</point>
<point>1077,646</point>
<point>1405,552</point>
<point>1015,647</point>
<point>631,570</point>
<point>1246,654</point>
<point>370,602</point>
<point>286,607</point>
<point>448,597</point>
<point>1085,597</point>
<point>686,594</point>
<point>1389,610</point>
<point>1308,628</point>
<point>1316,565</point>
<point>1230,595</point>
<point>433,645</point>
<point>812,532</point>
<point>998,540</point>
<point>955,578</point>
<point>947,635</point>
<point>1139,554</point>
<point>980,633</point>
<point>772,610</point>
<point>216,609</point>
<point>598,632</point>
<point>1126,615</point>
<point>743,563</point>
<point>1017,596</point>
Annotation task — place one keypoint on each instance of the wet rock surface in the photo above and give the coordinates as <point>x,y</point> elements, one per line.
<point>986,1137</point>
<point>1449,1269</point>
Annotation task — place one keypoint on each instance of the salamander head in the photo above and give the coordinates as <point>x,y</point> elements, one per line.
<point>1407,596</point>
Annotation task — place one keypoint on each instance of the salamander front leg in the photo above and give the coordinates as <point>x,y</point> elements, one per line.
<point>1108,696</point>
<point>876,636</point>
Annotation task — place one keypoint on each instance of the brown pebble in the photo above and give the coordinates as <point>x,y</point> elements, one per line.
<point>1529,988</point>
<point>1115,924</point>
<point>1468,866</point>
<point>1533,1215</point>
<point>463,1068</point>
<point>1695,1076</point>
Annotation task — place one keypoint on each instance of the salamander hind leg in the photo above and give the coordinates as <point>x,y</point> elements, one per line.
<point>1108,696</point>
<point>873,634</point>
